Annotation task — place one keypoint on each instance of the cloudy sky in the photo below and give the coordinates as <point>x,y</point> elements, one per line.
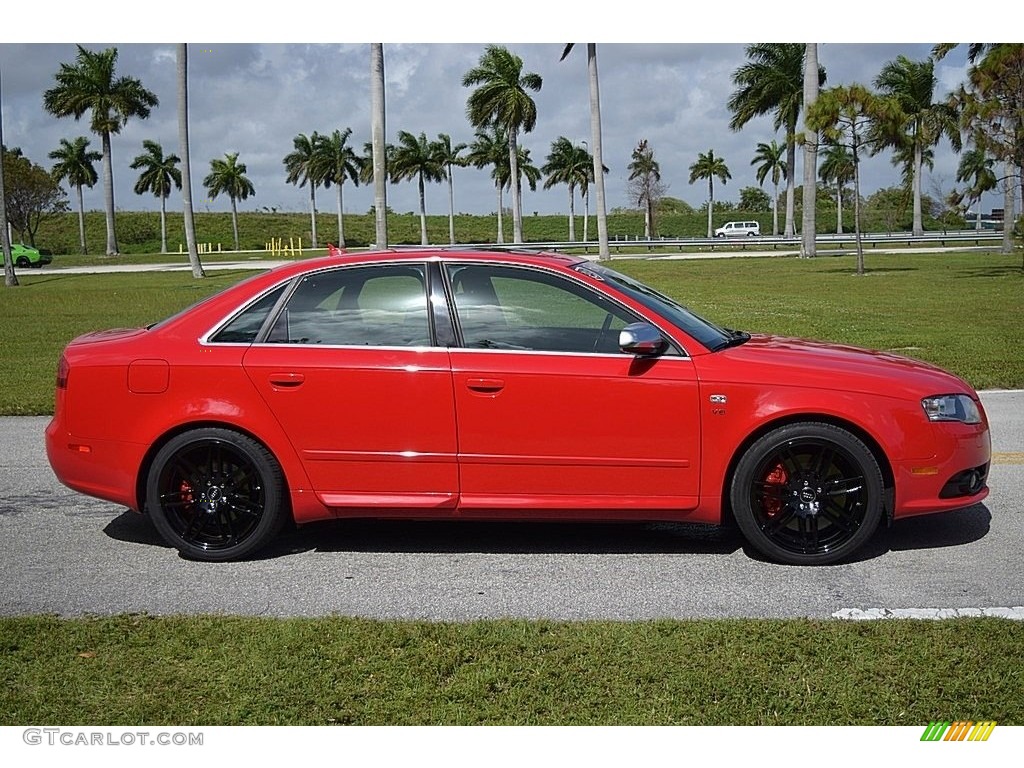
<point>255,98</point>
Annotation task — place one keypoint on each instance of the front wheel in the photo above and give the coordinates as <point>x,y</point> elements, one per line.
<point>215,494</point>
<point>807,494</point>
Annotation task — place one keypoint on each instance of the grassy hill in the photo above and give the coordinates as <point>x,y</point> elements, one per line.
<point>139,231</point>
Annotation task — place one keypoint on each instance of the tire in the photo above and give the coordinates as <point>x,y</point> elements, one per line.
<point>807,494</point>
<point>22,262</point>
<point>215,494</point>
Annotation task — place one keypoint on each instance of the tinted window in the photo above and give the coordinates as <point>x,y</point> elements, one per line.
<point>382,306</point>
<point>508,308</point>
<point>244,327</point>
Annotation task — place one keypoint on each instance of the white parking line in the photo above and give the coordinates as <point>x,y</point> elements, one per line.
<point>871,614</point>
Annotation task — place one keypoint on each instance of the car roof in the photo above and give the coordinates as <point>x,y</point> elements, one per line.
<point>391,255</point>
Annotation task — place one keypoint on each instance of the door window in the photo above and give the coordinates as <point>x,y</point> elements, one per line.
<point>382,306</point>
<point>503,307</point>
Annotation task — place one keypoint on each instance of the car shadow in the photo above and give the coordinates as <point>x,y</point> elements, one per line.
<point>471,536</point>
<point>947,529</point>
<point>442,537</point>
<point>950,529</point>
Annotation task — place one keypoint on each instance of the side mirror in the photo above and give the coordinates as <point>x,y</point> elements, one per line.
<point>642,340</point>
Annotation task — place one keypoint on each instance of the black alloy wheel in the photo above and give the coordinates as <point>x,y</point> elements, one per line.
<point>807,494</point>
<point>215,494</point>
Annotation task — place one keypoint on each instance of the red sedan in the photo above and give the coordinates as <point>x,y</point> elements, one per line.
<point>484,386</point>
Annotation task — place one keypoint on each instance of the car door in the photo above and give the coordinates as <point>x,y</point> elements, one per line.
<point>551,414</point>
<point>350,371</point>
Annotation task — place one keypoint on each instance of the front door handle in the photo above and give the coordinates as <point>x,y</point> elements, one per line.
<point>486,386</point>
<point>287,379</point>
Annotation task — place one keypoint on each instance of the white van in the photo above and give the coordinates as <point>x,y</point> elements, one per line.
<point>739,229</point>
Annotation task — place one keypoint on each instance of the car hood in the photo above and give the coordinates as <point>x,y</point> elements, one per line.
<point>781,361</point>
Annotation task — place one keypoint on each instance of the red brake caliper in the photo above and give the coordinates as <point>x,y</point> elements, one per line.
<point>775,481</point>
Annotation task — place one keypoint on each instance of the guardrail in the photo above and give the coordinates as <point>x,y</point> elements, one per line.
<point>764,242</point>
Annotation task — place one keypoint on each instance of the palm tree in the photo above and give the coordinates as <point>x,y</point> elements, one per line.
<point>771,164</point>
<point>90,85</point>
<point>502,99</point>
<point>10,278</point>
<point>837,168</point>
<point>912,85</point>
<point>449,155</point>
<point>570,165</point>
<point>844,116</point>
<point>227,175</point>
<point>489,148</point>
<point>524,169</point>
<point>812,83</point>
<point>159,175</point>
<point>417,158</point>
<point>378,148</point>
<point>336,161</point>
<point>977,170</point>
<point>598,170</point>
<point>186,163</point>
<point>302,169</point>
<point>75,164</point>
<point>645,175</point>
<point>772,82</point>
<point>709,167</point>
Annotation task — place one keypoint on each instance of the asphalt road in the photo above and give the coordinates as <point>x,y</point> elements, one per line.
<point>70,555</point>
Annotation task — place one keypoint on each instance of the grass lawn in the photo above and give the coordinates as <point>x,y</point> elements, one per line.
<point>137,670</point>
<point>960,311</point>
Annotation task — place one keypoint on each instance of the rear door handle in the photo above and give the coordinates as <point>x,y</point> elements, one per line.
<point>287,379</point>
<point>486,386</point>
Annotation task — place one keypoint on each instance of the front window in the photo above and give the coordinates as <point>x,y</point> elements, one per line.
<point>501,307</point>
<point>707,333</point>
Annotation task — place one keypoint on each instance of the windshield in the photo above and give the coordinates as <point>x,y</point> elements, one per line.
<point>707,333</point>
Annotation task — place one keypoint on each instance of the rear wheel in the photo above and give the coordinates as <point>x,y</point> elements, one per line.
<point>807,494</point>
<point>215,494</point>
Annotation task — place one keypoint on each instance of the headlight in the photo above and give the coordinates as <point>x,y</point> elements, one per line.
<point>952,408</point>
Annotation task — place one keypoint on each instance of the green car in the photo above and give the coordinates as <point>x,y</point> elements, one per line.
<point>27,256</point>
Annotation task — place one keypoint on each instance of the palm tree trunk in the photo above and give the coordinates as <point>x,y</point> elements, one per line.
<point>856,208</point>
<point>341,219</point>
<point>81,220</point>
<point>809,243</point>
<point>517,203</point>
<point>1009,216</point>
<point>451,207</point>
<point>10,278</point>
<point>380,191</point>
<point>595,139</point>
<point>312,213</point>
<point>711,204</point>
<point>586,215</point>
<point>186,168</point>
<point>234,221</point>
<point>839,209</point>
<point>501,214</point>
<point>790,185</point>
<point>572,216</point>
<point>423,212</point>
<point>108,195</point>
<point>918,221</point>
<point>163,224</point>
<point>775,210</point>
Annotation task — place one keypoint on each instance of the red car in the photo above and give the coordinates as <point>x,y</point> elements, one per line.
<point>485,386</point>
